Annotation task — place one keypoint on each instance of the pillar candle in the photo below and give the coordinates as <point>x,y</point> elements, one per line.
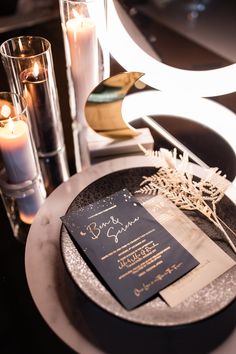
<point>83,46</point>
<point>17,152</point>
<point>19,162</point>
<point>45,126</point>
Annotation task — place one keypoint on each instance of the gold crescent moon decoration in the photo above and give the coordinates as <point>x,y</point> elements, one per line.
<point>103,106</point>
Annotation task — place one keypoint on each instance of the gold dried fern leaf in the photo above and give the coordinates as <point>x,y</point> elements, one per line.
<point>179,186</point>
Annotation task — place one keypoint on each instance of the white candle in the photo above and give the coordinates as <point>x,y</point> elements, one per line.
<point>19,162</point>
<point>17,152</point>
<point>83,46</point>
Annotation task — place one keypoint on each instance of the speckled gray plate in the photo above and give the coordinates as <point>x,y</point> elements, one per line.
<point>206,302</point>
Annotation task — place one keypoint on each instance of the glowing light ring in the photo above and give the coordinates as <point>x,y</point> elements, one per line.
<point>200,110</point>
<point>207,83</point>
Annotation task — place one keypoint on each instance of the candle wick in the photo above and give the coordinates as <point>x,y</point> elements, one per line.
<point>36,75</point>
<point>11,125</point>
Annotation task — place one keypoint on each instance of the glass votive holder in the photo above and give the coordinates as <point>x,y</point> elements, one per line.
<point>29,67</point>
<point>20,177</point>
<point>88,61</point>
<point>86,49</point>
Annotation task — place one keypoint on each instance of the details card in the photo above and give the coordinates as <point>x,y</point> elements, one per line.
<point>213,261</point>
<point>132,252</point>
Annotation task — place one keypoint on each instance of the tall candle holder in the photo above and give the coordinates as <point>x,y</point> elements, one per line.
<point>88,62</point>
<point>29,66</point>
<point>21,183</point>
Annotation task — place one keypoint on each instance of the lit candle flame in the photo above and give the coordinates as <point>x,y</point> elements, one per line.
<point>5,111</point>
<point>36,70</point>
<point>76,14</point>
<point>11,125</point>
<point>80,18</point>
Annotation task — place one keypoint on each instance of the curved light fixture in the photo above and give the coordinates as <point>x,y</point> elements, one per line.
<point>125,50</point>
<point>200,110</point>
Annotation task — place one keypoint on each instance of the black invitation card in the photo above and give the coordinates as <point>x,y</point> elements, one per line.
<point>134,254</point>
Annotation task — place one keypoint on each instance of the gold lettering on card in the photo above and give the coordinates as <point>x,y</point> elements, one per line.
<point>158,278</point>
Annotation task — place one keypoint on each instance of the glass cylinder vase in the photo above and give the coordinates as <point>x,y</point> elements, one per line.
<point>29,67</point>
<point>88,61</point>
<point>21,182</point>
